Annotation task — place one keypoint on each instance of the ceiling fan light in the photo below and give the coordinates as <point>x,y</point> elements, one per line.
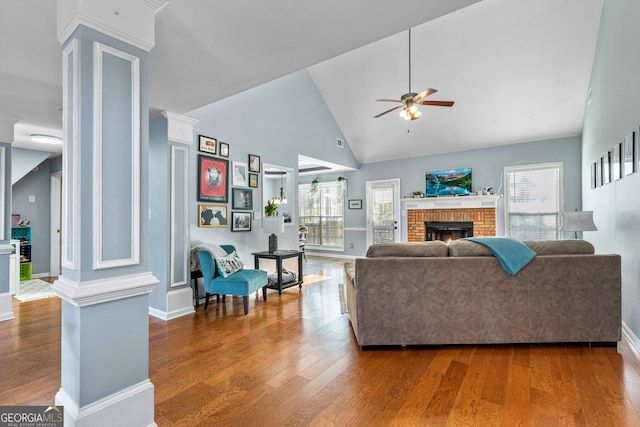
<point>413,109</point>
<point>417,114</point>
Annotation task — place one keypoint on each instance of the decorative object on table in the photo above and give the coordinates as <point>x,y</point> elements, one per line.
<point>212,179</point>
<point>242,198</point>
<point>270,209</point>
<point>630,155</point>
<point>253,180</point>
<point>273,225</point>
<point>240,221</point>
<point>210,216</point>
<point>355,204</point>
<point>207,144</point>
<point>254,163</point>
<point>417,194</point>
<point>240,174</point>
<point>224,149</point>
<point>577,221</point>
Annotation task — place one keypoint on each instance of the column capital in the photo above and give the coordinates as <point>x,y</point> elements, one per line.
<point>7,123</point>
<point>180,128</point>
<point>131,21</point>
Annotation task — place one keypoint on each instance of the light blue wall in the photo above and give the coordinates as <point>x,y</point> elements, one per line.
<point>276,121</point>
<point>613,113</point>
<point>487,165</point>
<point>36,183</point>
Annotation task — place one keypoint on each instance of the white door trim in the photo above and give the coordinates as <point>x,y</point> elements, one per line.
<point>395,184</point>
<point>56,224</point>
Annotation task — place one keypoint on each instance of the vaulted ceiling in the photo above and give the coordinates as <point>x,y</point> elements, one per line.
<point>518,70</point>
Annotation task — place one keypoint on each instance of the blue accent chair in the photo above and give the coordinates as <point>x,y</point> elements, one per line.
<point>241,283</point>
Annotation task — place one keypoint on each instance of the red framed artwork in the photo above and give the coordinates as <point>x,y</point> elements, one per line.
<point>213,182</point>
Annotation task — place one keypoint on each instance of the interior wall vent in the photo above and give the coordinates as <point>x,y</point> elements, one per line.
<point>339,143</point>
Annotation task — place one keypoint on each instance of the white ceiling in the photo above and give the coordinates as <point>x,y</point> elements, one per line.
<point>518,70</point>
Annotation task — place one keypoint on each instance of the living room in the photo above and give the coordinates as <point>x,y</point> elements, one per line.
<point>612,113</point>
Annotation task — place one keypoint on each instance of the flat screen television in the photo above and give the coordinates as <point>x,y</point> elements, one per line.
<point>453,182</point>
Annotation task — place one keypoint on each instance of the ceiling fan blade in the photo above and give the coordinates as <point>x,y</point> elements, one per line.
<point>389,100</point>
<point>424,94</point>
<point>437,103</point>
<point>388,111</point>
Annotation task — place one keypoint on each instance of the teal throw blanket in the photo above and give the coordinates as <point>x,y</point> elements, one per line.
<point>512,253</point>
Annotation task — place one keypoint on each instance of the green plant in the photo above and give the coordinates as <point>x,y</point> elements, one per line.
<point>271,208</point>
<point>314,185</point>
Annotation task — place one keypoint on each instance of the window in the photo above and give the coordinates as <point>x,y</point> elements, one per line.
<point>322,211</point>
<point>533,201</point>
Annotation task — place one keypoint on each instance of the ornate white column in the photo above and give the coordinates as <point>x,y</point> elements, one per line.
<point>6,138</point>
<point>105,278</point>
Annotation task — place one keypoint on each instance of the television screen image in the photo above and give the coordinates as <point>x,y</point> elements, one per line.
<point>453,182</point>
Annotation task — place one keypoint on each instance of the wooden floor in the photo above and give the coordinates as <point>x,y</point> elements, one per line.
<point>293,361</point>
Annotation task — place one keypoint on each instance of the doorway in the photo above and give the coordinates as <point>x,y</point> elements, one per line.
<point>383,211</point>
<point>55,240</point>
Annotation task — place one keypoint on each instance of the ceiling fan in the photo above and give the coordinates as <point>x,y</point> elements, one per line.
<point>411,100</point>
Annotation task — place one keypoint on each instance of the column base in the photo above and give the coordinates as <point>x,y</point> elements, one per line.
<point>6,311</point>
<point>179,303</point>
<point>129,407</point>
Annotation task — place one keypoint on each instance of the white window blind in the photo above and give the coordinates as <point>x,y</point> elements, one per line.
<point>533,202</point>
<point>322,211</point>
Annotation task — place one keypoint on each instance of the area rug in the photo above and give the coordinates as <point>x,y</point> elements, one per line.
<point>343,298</point>
<point>34,289</point>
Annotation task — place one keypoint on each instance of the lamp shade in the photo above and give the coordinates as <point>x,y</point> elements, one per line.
<point>273,225</point>
<point>577,221</point>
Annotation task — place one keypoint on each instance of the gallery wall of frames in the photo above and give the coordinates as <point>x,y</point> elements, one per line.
<point>621,160</point>
<point>221,181</point>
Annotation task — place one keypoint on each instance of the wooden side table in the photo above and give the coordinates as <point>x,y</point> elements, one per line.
<point>278,256</point>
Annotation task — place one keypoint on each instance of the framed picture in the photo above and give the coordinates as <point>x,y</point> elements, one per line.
<point>242,198</point>
<point>606,168</point>
<point>212,215</point>
<point>253,180</point>
<point>616,165</point>
<point>254,163</point>
<point>207,144</point>
<point>240,177</point>
<point>213,179</point>
<point>355,204</point>
<point>599,173</point>
<point>629,154</point>
<point>594,181</point>
<point>240,221</point>
<point>224,149</point>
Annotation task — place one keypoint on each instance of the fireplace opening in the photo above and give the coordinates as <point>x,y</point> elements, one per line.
<point>447,230</point>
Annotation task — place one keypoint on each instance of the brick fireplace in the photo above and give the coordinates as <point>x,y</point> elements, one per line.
<point>472,209</point>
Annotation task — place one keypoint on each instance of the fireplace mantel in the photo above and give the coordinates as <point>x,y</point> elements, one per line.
<point>456,202</point>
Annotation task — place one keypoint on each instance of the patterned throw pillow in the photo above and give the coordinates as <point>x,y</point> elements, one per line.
<point>229,264</point>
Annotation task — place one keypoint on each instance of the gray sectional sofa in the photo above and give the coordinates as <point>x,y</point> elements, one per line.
<point>432,293</point>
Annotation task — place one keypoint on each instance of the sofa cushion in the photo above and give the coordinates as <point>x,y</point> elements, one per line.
<point>460,248</point>
<point>434,248</point>
<point>229,264</point>
<point>561,247</point>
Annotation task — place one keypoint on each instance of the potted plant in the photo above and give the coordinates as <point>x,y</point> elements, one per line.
<point>270,209</point>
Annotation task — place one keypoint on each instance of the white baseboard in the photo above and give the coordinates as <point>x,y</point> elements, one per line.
<point>179,303</point>
<point>633,339</point>
<point>132,406</point>
<point>40,275</point>
<point>6,311</point>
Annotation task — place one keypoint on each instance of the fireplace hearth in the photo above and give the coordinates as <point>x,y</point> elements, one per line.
<point>447,230</point>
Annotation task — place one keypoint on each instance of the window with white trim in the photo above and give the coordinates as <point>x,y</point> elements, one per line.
<point>533,201</point>
<point>322,211</point>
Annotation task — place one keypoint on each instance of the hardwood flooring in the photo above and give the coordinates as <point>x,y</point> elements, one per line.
<point>293,360</point>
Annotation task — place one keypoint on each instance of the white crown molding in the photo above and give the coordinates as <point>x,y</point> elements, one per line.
<point>82,294</point>
<point>179,128</point>
<point>7,127</point>
<point>132,22</point>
